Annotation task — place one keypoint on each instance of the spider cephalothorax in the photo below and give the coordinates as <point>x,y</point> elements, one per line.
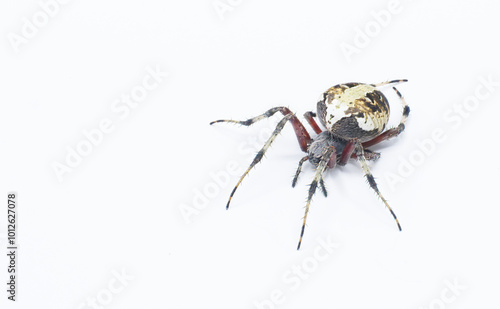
<point>354,115</point>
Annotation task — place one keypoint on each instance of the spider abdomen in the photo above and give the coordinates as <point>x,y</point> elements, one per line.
<point>354,110</point>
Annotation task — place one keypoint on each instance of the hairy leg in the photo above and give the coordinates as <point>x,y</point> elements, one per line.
<point>310,119</point>
<point>322,186</point>
<point>394,81</point>
<point>369,155</point>
<point>297,173</point>
<point>303,136</point>
<point>326,156</point>
<point>261,153</point>
<point>371,180</point>
<point>299,169</point>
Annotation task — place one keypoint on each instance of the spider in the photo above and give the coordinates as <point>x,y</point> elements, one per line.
<point>355,116</point>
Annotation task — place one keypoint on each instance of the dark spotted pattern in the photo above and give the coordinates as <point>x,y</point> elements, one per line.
<point>377,102</point>
<point>406,111</point>
<point>369,106</point>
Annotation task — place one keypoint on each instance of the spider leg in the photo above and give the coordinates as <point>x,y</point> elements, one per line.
<point>369,155</point>
<point>299,169</point>
<point>348,152</point>
<point>310,119</point>
<point>323,188</point>
<point>328,153</point>
<point>390,82</point>
<point>393,131</point>
<point>303,136</point>
<point>261,153</point>
<point>371,180</point>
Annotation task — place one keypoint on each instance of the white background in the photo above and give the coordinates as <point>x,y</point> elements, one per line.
<point>123,208</point>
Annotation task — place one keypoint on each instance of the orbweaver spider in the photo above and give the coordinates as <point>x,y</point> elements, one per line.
<point>355,116</point>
